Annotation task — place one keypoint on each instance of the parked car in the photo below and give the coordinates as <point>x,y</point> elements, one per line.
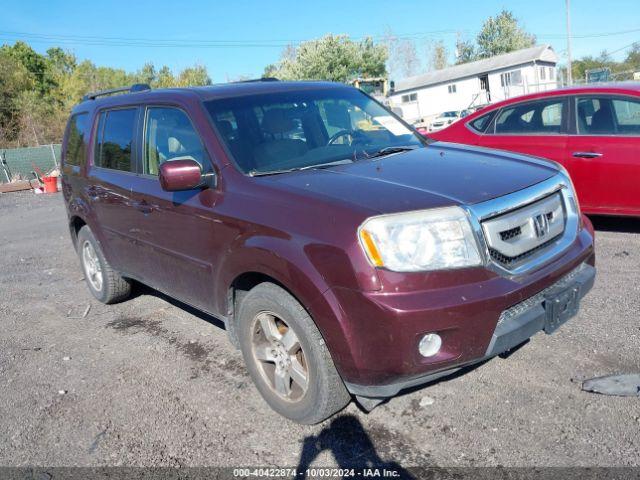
<point>344,254</point>
<point>445,119</point>
<point>593,131</point>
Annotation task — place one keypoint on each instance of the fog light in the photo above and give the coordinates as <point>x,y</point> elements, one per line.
<point>430,345</point>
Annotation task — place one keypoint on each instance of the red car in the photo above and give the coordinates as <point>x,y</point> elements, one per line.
<point>593,131</point>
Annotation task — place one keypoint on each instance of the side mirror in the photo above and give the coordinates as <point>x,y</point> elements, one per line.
<point>181,174</point>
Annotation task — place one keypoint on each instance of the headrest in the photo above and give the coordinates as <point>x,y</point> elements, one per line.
<point>225,127</point>
<point>174,145</point>
<point>276,120</point>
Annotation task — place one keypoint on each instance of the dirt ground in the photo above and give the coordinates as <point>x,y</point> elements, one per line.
<point>150,383</point>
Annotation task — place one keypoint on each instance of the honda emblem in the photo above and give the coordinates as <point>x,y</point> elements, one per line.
<point>541,225</point>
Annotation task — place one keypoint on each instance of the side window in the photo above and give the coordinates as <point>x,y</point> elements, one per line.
<point>627,116</point>
<point>595,116</point>
<point>531,118</point>
<point>77,137</point>
<point>115,139</point>
<point>169,135</point>
<point>480,124</point>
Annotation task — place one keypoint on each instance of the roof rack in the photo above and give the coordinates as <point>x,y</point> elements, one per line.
<point>136,87</point>
<point>263,79</point>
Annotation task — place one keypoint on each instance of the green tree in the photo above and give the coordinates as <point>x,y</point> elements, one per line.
<point>502,34</point>
<point>332,57</point>
<point>193,77</point>
<point>632,61</point>
<point>438,56</point>
<point>147,74</point>
<point>164,79</point>
<point>61,62</point>
<point>36,65</point>
<point>465,51</point>
<point>14,80</point>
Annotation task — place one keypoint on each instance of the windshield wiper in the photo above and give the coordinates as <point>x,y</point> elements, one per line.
<point>257,173</point>
<point>344,161</point>
<point>390,150</point>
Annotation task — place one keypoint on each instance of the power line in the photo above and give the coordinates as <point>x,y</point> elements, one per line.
<point>96,40</point>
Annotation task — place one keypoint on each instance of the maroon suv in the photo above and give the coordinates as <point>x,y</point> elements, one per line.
<point>344,254</point>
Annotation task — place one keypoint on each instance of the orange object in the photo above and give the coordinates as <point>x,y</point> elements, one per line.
<point>50,184</point>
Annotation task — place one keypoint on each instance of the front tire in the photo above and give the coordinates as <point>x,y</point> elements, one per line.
<point>104,283</point>
<point>287,358</point>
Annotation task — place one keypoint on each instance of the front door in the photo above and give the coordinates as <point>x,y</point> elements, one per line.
<point>602,156</point>
<point>175,230</point>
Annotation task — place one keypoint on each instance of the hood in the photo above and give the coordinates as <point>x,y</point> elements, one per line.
<point>436,176</point>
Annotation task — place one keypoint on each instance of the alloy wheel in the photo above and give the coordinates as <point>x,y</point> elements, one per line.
<point>92,267</point>
<point>279,356</point>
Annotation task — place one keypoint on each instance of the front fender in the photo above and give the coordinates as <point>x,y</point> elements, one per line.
<point>292,265</point>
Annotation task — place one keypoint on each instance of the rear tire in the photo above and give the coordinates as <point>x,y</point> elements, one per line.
<point>104,283</point>
<point>287,357</point>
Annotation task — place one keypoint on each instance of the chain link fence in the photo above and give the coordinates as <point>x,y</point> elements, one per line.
<point>19,163</point>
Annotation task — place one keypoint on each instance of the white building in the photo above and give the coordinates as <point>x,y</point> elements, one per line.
<point>476,83</point>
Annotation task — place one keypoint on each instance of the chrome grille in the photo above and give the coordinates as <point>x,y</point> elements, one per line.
<point>517,235</point>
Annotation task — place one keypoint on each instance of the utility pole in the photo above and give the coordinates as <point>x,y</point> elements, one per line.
<point>569,72</point>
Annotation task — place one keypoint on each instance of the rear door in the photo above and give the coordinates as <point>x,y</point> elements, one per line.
<point>108,185</point>
<point>602,153</point>
<point>175,231</point>
<point>536,128</point>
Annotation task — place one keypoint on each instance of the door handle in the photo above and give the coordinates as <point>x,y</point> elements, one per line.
<point>587,154</point>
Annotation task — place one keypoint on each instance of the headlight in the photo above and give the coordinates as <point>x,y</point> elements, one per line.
<point>419,241</point>
<point>573,197</point>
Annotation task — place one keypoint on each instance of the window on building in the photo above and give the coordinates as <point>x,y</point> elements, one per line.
<point>552,73</point>
<point>115,139</point>
<point>543,73</point>
<point>513,77</point>
<point>452,88</point>
<point>516,77</point>
<point>411,97</point>
<point>544,117</point>
<point>169,135</point>
<point>77,140</point>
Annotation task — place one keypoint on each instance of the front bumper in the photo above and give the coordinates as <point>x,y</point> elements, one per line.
<point>515,326</point>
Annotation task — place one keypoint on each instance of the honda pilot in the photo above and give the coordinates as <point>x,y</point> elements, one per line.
<point>346,256</point>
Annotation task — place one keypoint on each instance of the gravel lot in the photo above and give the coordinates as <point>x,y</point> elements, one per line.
<point>151,383</point>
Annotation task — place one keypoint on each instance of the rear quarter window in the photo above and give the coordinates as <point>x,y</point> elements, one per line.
<point>481,123</point>
<point>77,136</point>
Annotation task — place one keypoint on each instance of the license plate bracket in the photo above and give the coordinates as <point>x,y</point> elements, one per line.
<point>560,306</point>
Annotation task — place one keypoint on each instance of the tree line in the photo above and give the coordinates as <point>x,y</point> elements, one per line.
<point>37,91</point>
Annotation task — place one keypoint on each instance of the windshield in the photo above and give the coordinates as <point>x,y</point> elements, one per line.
<point>450,114</point>
<point>303,128</point>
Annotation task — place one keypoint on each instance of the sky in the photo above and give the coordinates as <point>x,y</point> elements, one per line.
<point>237,38</point>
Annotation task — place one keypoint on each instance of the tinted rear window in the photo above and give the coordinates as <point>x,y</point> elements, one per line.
<point>115,139</point>
<point>76,150</point>
<point>480,124</point>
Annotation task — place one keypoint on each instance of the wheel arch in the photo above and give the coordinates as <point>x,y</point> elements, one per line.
<point>76,222</point>
<point>288,267</point>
